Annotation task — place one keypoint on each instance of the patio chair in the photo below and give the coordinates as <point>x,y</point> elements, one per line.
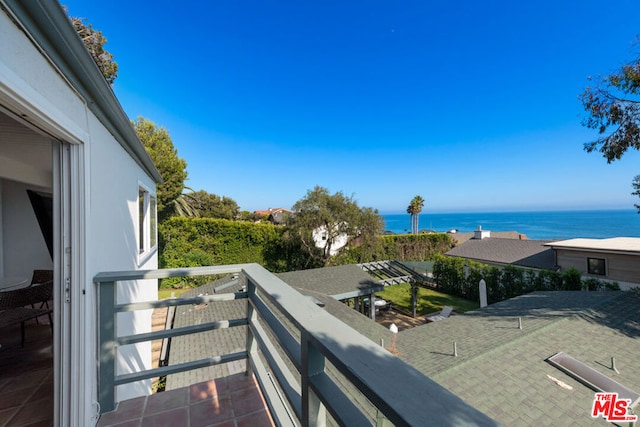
<point>41,276</point>
<point>14,305</point>
<point>444,313</point>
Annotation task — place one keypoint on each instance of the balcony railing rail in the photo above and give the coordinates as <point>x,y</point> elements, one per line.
<point>298,387</point>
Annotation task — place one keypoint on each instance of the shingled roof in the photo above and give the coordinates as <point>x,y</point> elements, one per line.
<point>341,282</point>
<point>501,369</point>
<point>465,236</point>
<point>211,343</point>
<point>492,250</point>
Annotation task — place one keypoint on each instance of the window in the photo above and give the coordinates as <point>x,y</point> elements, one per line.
<point>596,266</point>
<point>147,221</point>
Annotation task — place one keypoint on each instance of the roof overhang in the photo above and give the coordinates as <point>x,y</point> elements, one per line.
<point>615,245</point>
<point>365,291</point>
<point>49,27</point>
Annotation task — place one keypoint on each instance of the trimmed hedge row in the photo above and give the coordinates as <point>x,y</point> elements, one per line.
<point>195,242</point>
<point>458,276</point>
<point>401,247</point>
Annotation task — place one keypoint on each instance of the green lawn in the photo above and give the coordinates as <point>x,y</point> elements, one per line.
<point>429,301</point>
<point>166,293</point>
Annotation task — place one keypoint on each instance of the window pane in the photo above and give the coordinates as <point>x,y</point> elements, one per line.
<point>141,234</point>
<point>596,266</point>
<point>152,218</point>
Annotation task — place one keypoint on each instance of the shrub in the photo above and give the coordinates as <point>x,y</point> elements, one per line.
<point>460,277</point>
<point>571,280</point>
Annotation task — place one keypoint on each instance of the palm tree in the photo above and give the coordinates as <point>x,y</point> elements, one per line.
<point>414,209</point>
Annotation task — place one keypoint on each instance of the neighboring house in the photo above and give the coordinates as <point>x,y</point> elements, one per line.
<point>502,370</point>
<point>615,259</point>
<point>276,216</point>
<point>321,235</point>
<point>460,238</point>
<point>505,251</point>
<point>65,138</point>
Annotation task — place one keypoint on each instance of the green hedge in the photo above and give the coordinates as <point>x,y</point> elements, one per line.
<point>401,247</point>
<point>195,242</point>
<point>458,276</point>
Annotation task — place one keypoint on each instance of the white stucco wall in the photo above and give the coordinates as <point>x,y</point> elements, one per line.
<point>30,87</point>
<point>112,240</point>
<point>338,242</point>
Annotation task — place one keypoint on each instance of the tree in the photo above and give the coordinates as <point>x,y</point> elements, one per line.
<point>183,205</point>
<point>613,105</point>
<point>209,205</point>
<point>95,41</point>
<point>414,209</point>
<point>172,168</point>
<point>636,188</point>
<point>327,224</point>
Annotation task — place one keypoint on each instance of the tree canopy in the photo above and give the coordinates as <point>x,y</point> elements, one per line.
<point>95,41</point>
<point>172,168</point>
<point>209,205</point>
<point>636,190</point>
<point>414,209</point>
<point>323,221</point>
<point>613,106</point>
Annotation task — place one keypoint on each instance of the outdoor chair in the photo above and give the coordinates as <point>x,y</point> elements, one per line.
<point>14,305</point>
<point>38,277</point>
<point>41,276</point>
<point>446,312</point>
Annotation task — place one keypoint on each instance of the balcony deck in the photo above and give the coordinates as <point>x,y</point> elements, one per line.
<point>311,367</point>
<point>232,401</point>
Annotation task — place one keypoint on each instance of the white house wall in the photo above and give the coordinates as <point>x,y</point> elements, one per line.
<point>31,88</point>
<point>112,244</point>
<point>320,236</point>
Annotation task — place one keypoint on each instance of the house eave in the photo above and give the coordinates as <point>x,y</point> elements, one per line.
<point>49,27</point>
<point>596,250</point>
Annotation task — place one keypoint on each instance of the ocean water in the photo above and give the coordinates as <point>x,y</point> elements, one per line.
<point>535,225</point>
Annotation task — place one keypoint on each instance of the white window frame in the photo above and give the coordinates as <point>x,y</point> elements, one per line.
<point>147,208</point>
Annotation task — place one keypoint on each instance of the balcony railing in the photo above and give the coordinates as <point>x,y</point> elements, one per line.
<point>317,361</point>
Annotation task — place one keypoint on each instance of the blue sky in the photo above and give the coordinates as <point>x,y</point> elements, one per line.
<point>472,105</point>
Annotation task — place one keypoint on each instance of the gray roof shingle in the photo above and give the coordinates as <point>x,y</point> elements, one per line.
<point>501,369</point>
<point>343,281</point>
<point>522,253</point>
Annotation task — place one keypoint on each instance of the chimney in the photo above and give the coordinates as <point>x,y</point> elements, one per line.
<point>480,234</point>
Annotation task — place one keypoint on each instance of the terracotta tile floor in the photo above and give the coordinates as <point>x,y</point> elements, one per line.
<point>26,376</point>
<point>233,401</point>
<point>26,393</point>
